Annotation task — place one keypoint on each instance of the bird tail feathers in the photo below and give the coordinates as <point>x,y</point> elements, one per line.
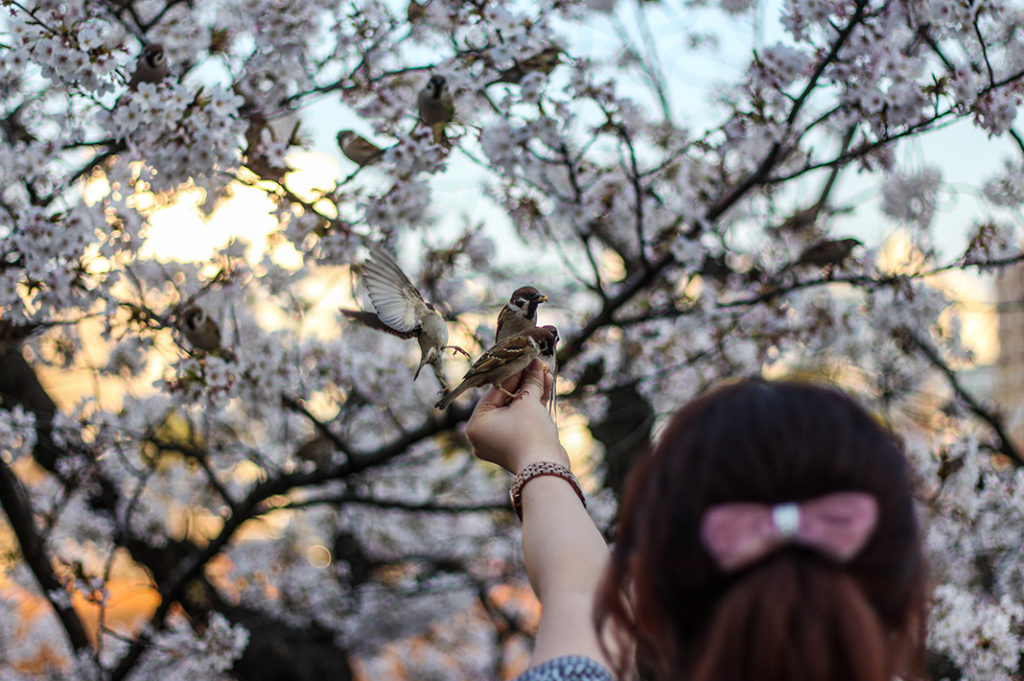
<point>450,396</point>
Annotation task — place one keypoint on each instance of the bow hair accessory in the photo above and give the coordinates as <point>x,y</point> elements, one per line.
<point>838,525</point>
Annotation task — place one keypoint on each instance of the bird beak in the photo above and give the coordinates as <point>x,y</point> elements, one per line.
<point>542,298</point>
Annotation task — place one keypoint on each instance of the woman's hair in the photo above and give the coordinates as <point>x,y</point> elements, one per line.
<point>795,615</point>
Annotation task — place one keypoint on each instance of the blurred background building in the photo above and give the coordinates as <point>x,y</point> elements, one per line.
<point>1008,383</point>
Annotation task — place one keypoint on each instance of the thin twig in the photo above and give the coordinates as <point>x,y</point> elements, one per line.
<point>994,421</point>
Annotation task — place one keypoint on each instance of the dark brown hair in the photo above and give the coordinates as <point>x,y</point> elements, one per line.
<point>795,615</point>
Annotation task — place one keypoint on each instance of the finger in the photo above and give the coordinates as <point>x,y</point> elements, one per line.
<point>491,400</point>
<point>511,384</point>
<point>532,384</point>
<point>549,386</point>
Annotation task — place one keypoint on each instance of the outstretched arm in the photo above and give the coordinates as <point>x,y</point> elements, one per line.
<point>565,553</point>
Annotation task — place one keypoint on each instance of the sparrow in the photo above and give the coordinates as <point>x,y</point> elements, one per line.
<point>830,252</point>
<point>717,269</point>
<point>805,220</point>
<point>802,221</point>
<point>151,66</point>
<point>358,149</point>
<point>415,11</point>
<point>436,106</point>
<point>200,329</point>
<point>317,450</point>
<point>550,360</point>
<point>13,129</point>
<point>544,62</point>
<point>502,361</point>
<point>547,354</point>
<point>519,313</point>
<point>402,311</point>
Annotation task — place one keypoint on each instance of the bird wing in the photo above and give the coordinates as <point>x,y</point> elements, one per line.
<point>398,303</point>
<point>499,354</point>
<point>373,321</point>
<point>364,146</point>
<point>816,251</point>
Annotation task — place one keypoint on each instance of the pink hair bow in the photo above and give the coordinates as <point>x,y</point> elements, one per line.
<point>837,525</point>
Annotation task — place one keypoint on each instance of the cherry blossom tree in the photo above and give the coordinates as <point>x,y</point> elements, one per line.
<point>271,482</point>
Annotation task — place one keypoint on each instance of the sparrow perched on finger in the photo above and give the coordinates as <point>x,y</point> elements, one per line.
<point>200,330</point>
<point>402,311</point>
<point>151,66</point>
<point>502,361</point>
<point>519,313</point>
<point>436,106</point>
<point>547,354</point>
<point>358,149</point>
<point>550,360</point>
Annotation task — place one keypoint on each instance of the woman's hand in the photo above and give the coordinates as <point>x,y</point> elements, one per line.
<point>522,432</point>
<point>565,555</point>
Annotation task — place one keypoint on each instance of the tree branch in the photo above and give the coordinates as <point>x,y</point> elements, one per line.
<point>1005,443</point>
<point>253,505</point>
<point>398,504</point>
<point>16,505</point>
<point>634,284</point>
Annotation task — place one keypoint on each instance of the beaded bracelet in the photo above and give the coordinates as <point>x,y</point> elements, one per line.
<point>515,491</point>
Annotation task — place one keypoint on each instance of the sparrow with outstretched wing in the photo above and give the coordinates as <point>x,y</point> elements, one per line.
<point>402,311</point>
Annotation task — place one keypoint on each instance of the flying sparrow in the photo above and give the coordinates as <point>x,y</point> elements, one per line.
<point>502,361</point>
<point>437,108</point>
<point>519,313</point>
<point>151,66</point>
<point>200,329</point>
<point>402,311</point>
<point>358,149</point>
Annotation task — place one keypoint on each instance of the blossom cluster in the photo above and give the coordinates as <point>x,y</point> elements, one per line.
<point>287,480</point>
<point>17,434</point>
<point>186,133</point>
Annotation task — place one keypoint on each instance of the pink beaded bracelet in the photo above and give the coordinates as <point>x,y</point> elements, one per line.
<point>515,491</point>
